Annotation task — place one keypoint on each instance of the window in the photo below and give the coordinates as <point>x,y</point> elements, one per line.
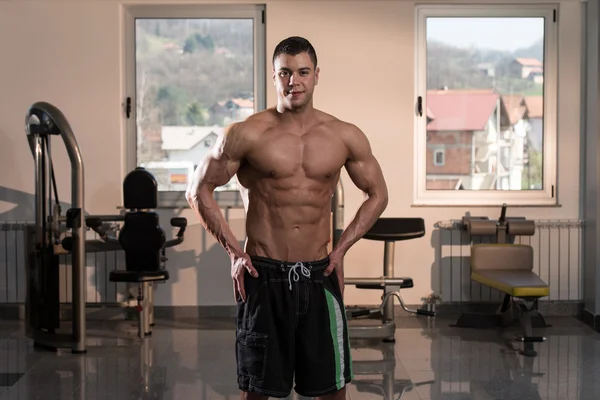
<point>486,105</point>
<point>438,157</point>
<point>190,71</point>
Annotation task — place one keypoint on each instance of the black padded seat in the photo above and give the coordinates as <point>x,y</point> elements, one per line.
<point>395,229</point>
<point>138,276</point>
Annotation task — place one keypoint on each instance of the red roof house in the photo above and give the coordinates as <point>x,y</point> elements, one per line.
<point>456,121</point>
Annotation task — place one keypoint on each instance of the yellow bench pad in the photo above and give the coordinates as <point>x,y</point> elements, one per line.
<point>515,283</point>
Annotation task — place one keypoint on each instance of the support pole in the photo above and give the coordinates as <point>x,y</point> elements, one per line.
<point>337,209</point>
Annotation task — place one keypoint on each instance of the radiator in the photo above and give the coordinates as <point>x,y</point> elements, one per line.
<point>558,260</point>
<point>99,265</point>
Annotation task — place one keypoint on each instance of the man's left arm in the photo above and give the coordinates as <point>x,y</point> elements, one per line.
<point>365,172</point>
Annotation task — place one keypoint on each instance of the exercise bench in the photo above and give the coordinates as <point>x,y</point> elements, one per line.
<point>508,268</point>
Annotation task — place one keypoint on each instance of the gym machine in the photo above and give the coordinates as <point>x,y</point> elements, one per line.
<point>54,234</point>
<point>508,268</point>
<point>144,243</point>
<point>388,230</point>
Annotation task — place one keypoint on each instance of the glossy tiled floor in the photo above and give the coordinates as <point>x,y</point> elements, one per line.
<point>195,360</point>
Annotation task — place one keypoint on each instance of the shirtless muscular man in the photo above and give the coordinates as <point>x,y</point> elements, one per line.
<point>291,323</point>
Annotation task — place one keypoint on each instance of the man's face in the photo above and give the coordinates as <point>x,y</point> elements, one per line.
<point>295,79</point>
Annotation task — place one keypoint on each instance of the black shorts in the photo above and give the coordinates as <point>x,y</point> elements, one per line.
<point>292,327</point>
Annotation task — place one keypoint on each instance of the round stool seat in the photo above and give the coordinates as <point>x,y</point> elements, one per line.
<point>394,229</point>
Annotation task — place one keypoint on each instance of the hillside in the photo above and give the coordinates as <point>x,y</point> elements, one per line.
<point>185,66</point>
<point>472,68</point>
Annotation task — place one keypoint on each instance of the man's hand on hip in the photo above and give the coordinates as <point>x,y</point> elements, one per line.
<point>239,266</point>
<point>336,264</point>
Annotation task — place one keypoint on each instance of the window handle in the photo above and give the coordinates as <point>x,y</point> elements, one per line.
<point>420,106</point>
<point>128,107</point>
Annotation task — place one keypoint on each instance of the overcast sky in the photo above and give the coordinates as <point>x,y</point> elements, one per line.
<point>490,33</point>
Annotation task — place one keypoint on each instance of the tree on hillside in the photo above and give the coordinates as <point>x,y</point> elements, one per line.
<point>198,42</point>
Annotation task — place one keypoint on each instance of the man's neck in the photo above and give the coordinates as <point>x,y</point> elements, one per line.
<point>300,116</point>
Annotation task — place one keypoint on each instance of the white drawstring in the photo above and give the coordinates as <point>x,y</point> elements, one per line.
<point>305,271</point>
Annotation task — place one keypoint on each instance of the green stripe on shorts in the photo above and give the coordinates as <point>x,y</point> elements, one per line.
<point>336,326</point>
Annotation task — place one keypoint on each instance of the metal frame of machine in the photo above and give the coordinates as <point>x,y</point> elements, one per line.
<point>42,121</point>
<point>46,239</point>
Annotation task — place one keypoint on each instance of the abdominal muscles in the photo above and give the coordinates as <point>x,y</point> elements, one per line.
<point>289,219</point>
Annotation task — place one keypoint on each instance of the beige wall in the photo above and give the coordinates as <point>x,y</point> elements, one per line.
<point>69,53</point>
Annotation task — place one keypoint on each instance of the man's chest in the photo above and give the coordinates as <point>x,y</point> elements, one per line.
<point>314,154</point>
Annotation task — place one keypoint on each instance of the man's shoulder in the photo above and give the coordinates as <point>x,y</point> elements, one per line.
<point>264,117</point>
<point>254,125</point>
<point>342,128</point>
<point>327,119</point>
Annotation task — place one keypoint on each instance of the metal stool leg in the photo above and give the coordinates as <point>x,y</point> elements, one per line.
<point>146,310</point>
<point>151,304</point>
<point>388,272</point>
<point>141,310</point>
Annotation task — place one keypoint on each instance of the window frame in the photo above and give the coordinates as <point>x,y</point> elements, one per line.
<point>176,199</point>
<point>545,197</point>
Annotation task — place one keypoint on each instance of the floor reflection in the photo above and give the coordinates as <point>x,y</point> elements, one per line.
<point>186,360</point>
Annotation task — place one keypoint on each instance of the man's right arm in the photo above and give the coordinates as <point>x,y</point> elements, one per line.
<point>215,170</point>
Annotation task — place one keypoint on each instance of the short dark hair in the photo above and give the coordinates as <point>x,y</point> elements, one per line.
<point>295,45</point>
